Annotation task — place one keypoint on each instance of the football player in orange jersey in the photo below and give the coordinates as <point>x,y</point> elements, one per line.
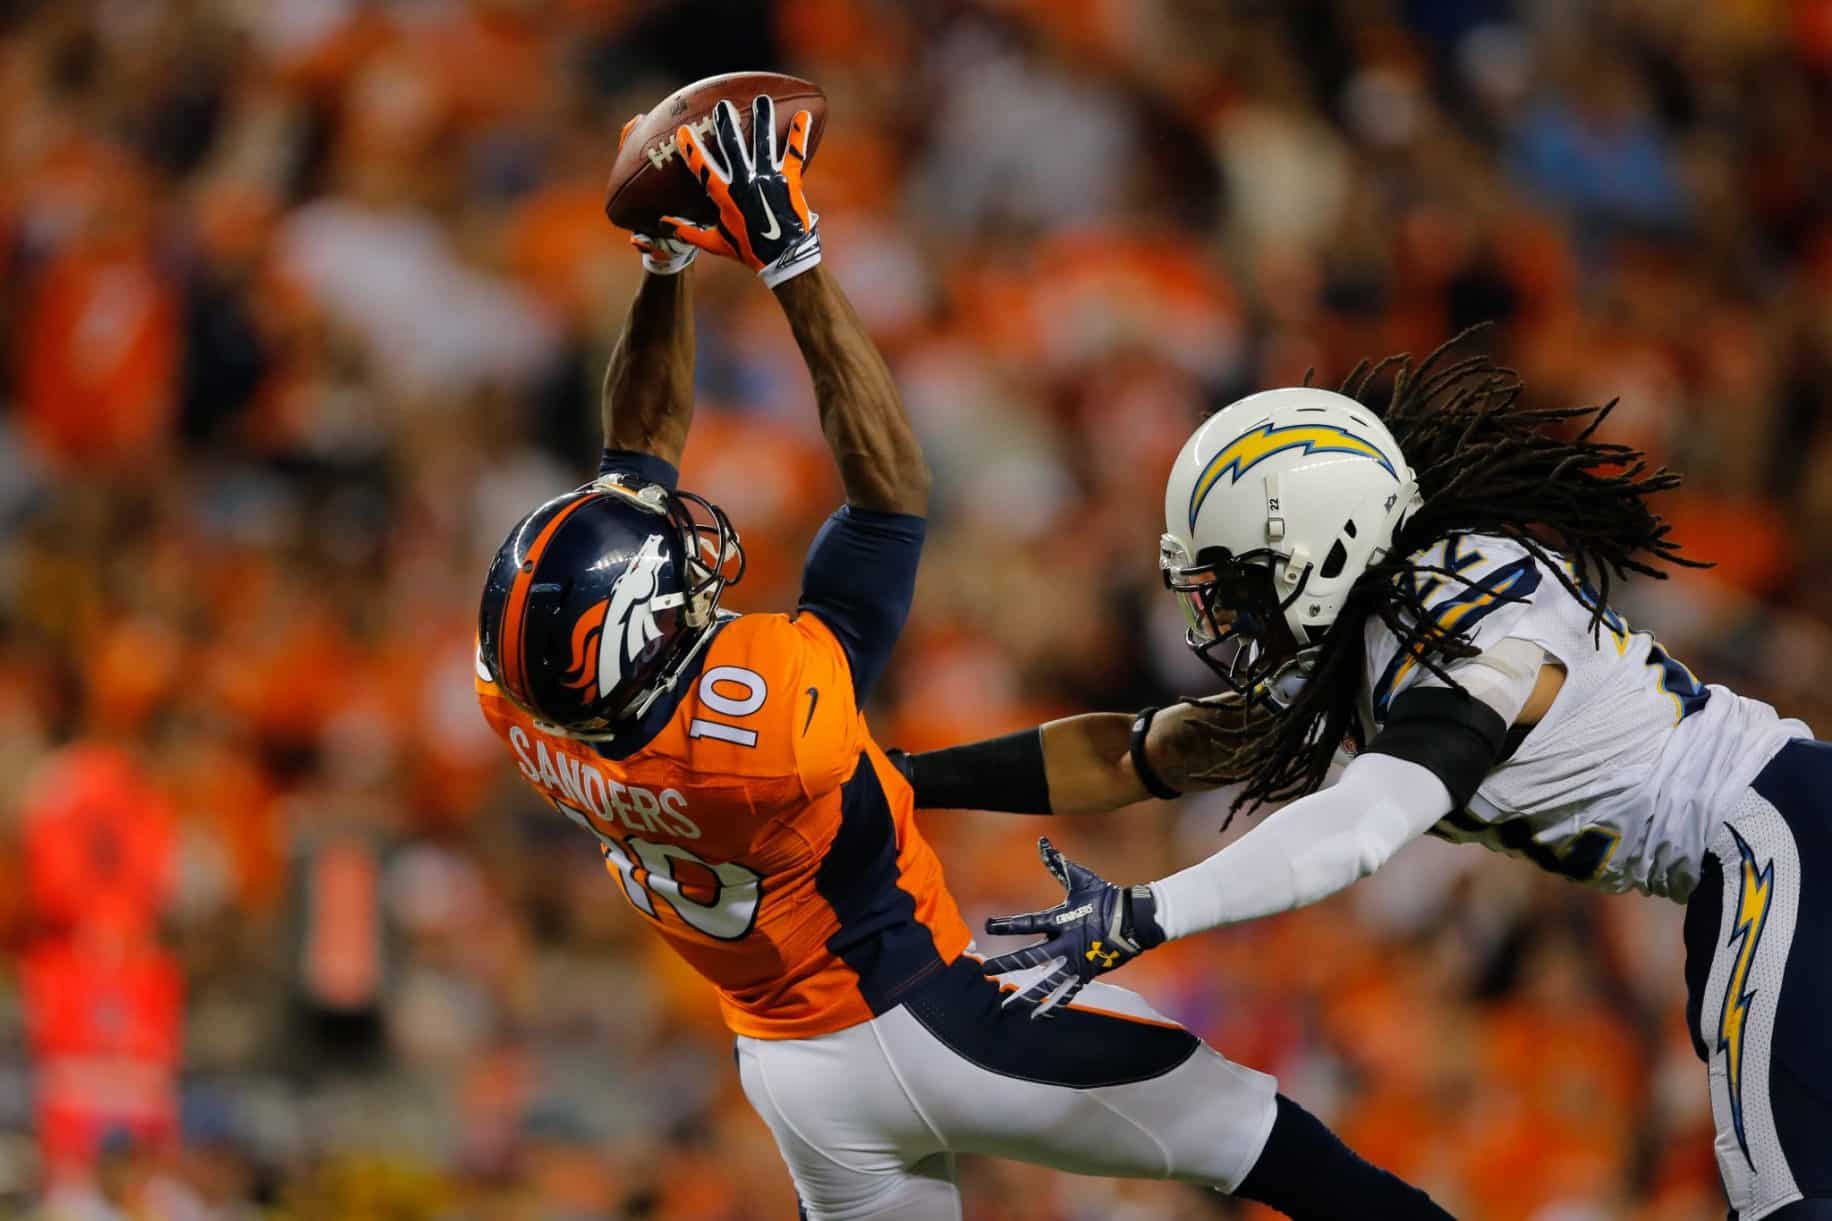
<point>726,770</point>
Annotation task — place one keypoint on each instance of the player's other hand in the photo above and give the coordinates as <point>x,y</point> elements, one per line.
<point>662,256</point>
<point>764,221</point>
<point>1097,928</point>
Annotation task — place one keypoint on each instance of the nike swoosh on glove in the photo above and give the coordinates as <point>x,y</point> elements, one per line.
<point>1098,928</point>
<point>764,221</point>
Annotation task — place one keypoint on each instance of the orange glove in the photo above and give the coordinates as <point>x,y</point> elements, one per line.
<point>764,221</point>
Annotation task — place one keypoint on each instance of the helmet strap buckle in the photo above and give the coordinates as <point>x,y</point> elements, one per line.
<point>1295,566</point>
<point>1275,524</point>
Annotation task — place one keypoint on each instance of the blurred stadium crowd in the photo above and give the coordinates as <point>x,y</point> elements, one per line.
<point>306,301</point>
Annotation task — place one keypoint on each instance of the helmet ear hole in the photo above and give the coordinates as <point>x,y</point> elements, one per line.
<point>1334,562</point>
<point>1348,527</point>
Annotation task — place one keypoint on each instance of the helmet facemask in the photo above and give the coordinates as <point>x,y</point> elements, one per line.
<point>1237,623</point>
<point>715,556</point>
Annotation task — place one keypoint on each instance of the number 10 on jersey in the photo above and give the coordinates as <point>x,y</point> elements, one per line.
<point>729,892</point>
<point>716,898</point>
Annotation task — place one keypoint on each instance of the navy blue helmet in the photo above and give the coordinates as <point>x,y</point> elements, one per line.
<point>600,598</point>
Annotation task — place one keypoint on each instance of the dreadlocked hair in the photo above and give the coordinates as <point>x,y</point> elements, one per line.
<point>1486,464</point>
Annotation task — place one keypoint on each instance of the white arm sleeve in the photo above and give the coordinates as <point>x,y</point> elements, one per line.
<point>1307,851</point>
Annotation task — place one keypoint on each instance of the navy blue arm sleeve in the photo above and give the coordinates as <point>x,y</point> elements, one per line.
<point>1007,774</point>
<point>859,579</point>
<point>643,466</point>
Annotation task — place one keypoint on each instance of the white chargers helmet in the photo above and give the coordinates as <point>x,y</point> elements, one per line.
<point>1274,509</point>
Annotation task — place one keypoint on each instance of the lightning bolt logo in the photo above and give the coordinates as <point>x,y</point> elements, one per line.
<point>1252,448</point>
<point>1755,891</point>
<point>1471,606</point>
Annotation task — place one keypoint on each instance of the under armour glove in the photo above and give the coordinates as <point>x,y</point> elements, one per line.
<point>1099,927</point>
<point>764,221</point>
<point>661,256</point>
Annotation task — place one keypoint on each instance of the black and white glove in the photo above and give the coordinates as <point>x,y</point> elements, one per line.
<point>664,256</point>
<point>764,221</point>
<point>1097,928</point>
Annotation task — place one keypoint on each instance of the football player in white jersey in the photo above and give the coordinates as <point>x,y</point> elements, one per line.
<point>1431,588</point>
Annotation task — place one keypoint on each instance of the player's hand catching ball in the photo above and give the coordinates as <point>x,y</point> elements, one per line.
<point>661,256</point>
<point>764,221</point>
<point>1097,928</point>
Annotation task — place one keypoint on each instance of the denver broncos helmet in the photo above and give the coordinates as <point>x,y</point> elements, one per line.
<point>600,598</point>
<point>1273,510</point>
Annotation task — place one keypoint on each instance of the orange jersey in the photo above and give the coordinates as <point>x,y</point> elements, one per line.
<point>762,832</point>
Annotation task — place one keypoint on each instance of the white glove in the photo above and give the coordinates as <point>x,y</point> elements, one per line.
<point>664,256</point>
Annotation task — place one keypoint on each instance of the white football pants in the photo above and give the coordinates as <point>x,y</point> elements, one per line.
<point>869,1118</point>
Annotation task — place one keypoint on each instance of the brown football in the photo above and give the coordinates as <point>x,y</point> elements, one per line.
<point>649,180</point>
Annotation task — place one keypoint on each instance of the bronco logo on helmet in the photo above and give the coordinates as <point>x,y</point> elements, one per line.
<point>622,626</point>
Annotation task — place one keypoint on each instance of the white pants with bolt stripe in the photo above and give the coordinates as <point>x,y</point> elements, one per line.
<point>1759,984</point>
<point>869,1118</point>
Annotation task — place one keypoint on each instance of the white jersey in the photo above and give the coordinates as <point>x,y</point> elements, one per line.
<point>1625,780</point>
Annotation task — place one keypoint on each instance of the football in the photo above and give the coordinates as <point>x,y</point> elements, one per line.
<point>649,179</point>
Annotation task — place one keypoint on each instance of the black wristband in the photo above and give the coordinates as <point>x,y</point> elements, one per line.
<point>1142,916</point>
<point>997,774</point>
<point>1141,767</point>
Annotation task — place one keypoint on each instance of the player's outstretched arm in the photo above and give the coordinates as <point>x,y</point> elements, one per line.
<point>766,224</point>
<point>648,385</point>
<point>1305,852</point>
<point>1309,850</point>
<point>1437,746</point>
<point>881,464</point>
<point>1085,764</point>
<point>861,570</point>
